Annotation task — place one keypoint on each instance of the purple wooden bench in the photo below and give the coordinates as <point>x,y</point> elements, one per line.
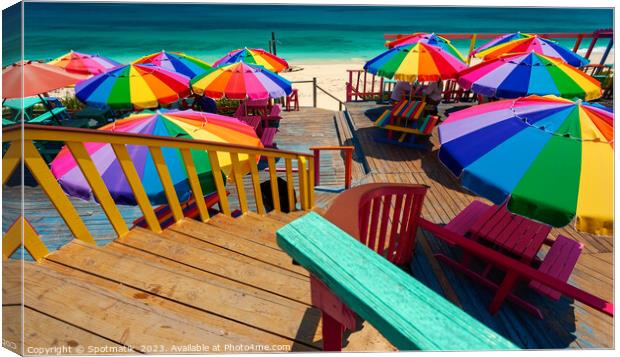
<point>559,263</point>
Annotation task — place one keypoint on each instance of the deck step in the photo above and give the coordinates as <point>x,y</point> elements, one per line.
<point>200,289</point>
<point>257,233</point>
<point>220,262</point>
<point>216,283</point>
<point>221,238</point>
<point>125,315</point>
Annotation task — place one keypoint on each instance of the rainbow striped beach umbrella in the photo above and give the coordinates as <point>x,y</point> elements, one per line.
<point>521,74</point>
<point>136,86</point>
<point>500,40</point>
<point>255,56</point>
<point>241,81</point>
<point>419,61</point>
<point>176,62</point>
<point>83,63</point>
<point>534,43</point>
<point>170,123</point>
<point>551,157</point>
<point>429,39</point>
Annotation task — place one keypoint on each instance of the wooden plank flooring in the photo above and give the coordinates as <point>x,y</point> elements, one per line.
<point>192,285</point>
<point>567,323</point>
<point>227,282</point>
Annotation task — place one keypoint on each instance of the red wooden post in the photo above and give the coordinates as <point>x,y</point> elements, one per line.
<point>577,43</point>
<point>365,80</point>
<point>347,168</point>
<point>348,89</point>
<point>357,85</point>
<point>317,167</point>
<point>594,39</point>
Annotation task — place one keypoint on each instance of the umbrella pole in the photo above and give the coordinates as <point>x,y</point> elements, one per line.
<point>47,105</point>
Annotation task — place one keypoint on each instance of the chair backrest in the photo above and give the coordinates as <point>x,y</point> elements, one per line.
<point>240,111</point>
<point>276,110</point>
<point>388,220</point>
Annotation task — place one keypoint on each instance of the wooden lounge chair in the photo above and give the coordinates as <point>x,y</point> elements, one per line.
<point>273,119</point>
<point>559,263</point>
<point>268,136</point>
<point>385,219</point>
<point>349,280</point>
<point>292,101</point>
<point>466,218</point>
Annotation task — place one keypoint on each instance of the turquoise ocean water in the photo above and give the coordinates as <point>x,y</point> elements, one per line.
<point>305,33</point>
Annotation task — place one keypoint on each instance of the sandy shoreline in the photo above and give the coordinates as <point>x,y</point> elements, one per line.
<point>331,76</point>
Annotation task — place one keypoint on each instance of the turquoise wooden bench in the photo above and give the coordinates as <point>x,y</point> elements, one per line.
<point>350,278</point>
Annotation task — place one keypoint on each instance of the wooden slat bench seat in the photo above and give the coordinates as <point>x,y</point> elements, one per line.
<point>559,262</point>
<point>406,312</point>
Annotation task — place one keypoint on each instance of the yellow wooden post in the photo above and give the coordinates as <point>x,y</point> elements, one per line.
<point>166,182</point>
<point>194,184</point>
<point>219,182</point>
<point>122,155</point>
<point>238,177</point>
<point>303,182</point>
<point>47,181</point>
<point>31,240</point>
<point>273,179</point>
<point>471,48</point>
<point>258,194</point>
<point>99,188</point>
<point>310,183</point>
<point>289,184</point>
<point>11,160</point>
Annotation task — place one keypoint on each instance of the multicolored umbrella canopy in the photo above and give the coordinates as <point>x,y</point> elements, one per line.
<point>255,56</point>
<point>240,81</point>
<point>419,61</point>
<point>83,63</point>
<point>500,40</point>
<point>136,86</point>
<point>170,123</point>
<point>37,78</point>
<point>533,43</point>
<point>522,74</point>
<point>551,156</point>
<point>429,39</point>
<point>176,62</point>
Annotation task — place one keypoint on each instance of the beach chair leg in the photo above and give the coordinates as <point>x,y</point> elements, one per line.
<point>332,333</point>
<point>504,290</point>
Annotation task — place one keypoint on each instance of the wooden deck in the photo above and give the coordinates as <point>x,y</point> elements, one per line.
<point>226,283</point>
<point>223,286</point>
<point>568,324</point>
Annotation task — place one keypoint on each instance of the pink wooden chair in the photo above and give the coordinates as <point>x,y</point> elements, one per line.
<point>386,220</point>
<point>273,117</point>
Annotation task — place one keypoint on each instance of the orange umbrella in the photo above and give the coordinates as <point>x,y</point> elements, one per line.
<point>38,78</point>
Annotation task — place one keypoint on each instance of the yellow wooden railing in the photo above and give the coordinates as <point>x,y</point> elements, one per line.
<point>75,139</point>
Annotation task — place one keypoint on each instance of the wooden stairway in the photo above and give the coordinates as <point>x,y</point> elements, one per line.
<point>220,286</point>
